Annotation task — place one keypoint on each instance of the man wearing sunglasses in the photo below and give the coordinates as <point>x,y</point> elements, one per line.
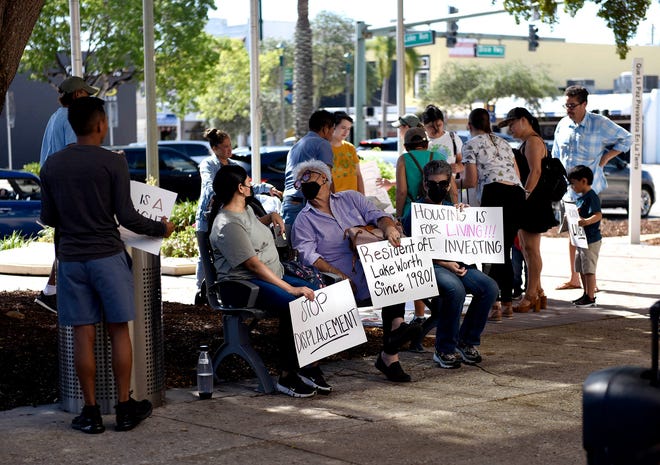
<point>583,138</point>
<point>315,145</point>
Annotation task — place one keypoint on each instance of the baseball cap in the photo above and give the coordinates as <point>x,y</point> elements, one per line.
<point>408,119</point>
<point>74,83</point>
<point>415,135</point>
<point>515,113</point>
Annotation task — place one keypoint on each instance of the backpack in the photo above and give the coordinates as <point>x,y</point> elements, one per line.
<point>553,182</point>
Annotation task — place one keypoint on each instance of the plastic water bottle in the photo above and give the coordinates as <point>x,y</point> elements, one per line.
<point>204,373</point>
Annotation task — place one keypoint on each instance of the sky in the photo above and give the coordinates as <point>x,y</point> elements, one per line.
<point>586,27</point>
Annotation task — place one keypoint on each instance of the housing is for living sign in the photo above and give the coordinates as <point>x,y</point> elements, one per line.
<point>468,235</point>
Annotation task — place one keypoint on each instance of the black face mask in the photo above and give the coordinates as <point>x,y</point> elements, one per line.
<point>437,191</point>
<point>310,189</point>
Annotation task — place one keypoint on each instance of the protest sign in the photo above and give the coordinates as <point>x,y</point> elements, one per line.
<point>151,202</point>
<point>398,274</point>
<point>575,231</point>
<point>471,235</point>
<point>327,325</point>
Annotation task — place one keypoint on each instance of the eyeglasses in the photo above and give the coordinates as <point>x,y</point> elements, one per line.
<point>441,185</point>
<point>570,106</point>
<point>306,176</point>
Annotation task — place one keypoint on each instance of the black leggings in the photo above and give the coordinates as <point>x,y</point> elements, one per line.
<point>512,200</point>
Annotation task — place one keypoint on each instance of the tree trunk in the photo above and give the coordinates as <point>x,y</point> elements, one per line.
<point>303,85</point>
<point>17,19</point>
<point>384,92</point>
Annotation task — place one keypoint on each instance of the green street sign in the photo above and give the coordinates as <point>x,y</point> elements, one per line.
<point>417,38</point>
<point>490,51</point>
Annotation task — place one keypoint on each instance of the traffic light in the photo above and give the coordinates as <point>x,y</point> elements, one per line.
<point>452,28</point>
<point>533,39</point>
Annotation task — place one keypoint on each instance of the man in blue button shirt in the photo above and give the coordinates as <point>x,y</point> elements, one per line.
<point>589,139</point>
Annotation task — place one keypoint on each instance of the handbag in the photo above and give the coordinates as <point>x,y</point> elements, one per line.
<point>365,234</point>
<point>308,273</point>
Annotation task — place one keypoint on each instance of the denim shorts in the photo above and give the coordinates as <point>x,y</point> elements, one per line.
<point>587,259</point>
<point>95,290</point>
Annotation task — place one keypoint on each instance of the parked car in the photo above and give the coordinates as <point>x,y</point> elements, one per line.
<point>178,172</point>
<point>617,173</point>
<point>273,163</point>
<point>195,149</point>
<point>387,143</point>
<point>20,203</point>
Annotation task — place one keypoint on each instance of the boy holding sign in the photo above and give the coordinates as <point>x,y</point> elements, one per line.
<point>454,342</point>
<point>581,177</point>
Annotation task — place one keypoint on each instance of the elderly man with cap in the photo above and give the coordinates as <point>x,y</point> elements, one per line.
<point>59,134</point>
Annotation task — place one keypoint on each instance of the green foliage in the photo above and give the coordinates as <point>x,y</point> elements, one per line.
<point>183,214</point>
<point>622,16</point>
<point>181,244</point>
<point>33,168</point>
<point>459,85</point>
<point>14,241</point>
<point>112,34</point>
<point>46,235</point>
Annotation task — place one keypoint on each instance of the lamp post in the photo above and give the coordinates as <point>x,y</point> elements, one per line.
<point>282,131</point>
<point>347,71</point>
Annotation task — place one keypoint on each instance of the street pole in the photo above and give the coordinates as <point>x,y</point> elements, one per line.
<point>76,55</point>
<point>150,89</point>
<point>282,134</point>
<point>636,126</point>
<point>400,66</point>
<point>360,84</point>
<point>255,110</point>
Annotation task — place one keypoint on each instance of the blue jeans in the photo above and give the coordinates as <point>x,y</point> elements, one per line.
<point>447,307</point>
<point>276,300</point>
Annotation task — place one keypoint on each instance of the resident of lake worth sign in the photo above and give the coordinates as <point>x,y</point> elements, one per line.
<point>468,235</point>
<point>326,325</point>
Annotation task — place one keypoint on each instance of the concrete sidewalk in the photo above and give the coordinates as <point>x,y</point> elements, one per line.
<point>521,405</point>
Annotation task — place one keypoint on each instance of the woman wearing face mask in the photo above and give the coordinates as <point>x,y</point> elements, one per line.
<point>455,343</point>
<point>244,248</point>
<point>318,235</point>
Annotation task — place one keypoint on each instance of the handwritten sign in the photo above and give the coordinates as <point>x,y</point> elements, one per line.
<point>471,235</point>
<point>151,202</point>
<point>398,274</point>
<point>575,231</point>
<point>327,325</point>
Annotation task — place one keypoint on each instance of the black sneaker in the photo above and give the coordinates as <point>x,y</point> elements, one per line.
<point>49,302</point>
<point>404,333</point>
<point>394,372</point>
<point>585,301</point>
<point>131,413</point>
<point>469,354</point>
<point>448,361</point>
<point>293,386</point>
<point>89,421</point>
<point>313,377</point>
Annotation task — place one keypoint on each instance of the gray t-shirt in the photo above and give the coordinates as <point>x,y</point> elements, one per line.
<point>236,237</point>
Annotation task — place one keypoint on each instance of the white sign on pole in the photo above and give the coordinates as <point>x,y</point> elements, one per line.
<point>151,202</point>
<point>399,274</point>
<point>636,125</point>
<point>576,232</point>
<point>471,235</point>
<point>327,325</point>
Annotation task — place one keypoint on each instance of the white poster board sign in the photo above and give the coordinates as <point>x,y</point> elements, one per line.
<point>327,325</point>
<point>151,202</point>
<point>471,235</point>
<point>575,231</point>
<point>399,274</point>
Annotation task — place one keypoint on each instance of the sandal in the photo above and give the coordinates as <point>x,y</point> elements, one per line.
<point>567,285</point>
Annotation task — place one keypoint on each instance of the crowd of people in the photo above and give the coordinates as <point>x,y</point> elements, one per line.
<point>323,196</point>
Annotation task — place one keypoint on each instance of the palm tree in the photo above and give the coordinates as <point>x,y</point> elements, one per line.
<point>303,82</point>
<point>384,51</point>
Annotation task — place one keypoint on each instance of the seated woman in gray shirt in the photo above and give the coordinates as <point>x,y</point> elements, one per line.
<point>244,248</point>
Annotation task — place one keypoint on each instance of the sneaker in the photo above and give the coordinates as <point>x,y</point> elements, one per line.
<point>469,354</point>
<point>89,421</point>
<point>585,301</point>
<point>417,320</point>
<point>131,413</point>
<point>313,377</point>
<point>49,302</point>
<point>393,372</point>
<point>449,361</point>
<point>293,386</point>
